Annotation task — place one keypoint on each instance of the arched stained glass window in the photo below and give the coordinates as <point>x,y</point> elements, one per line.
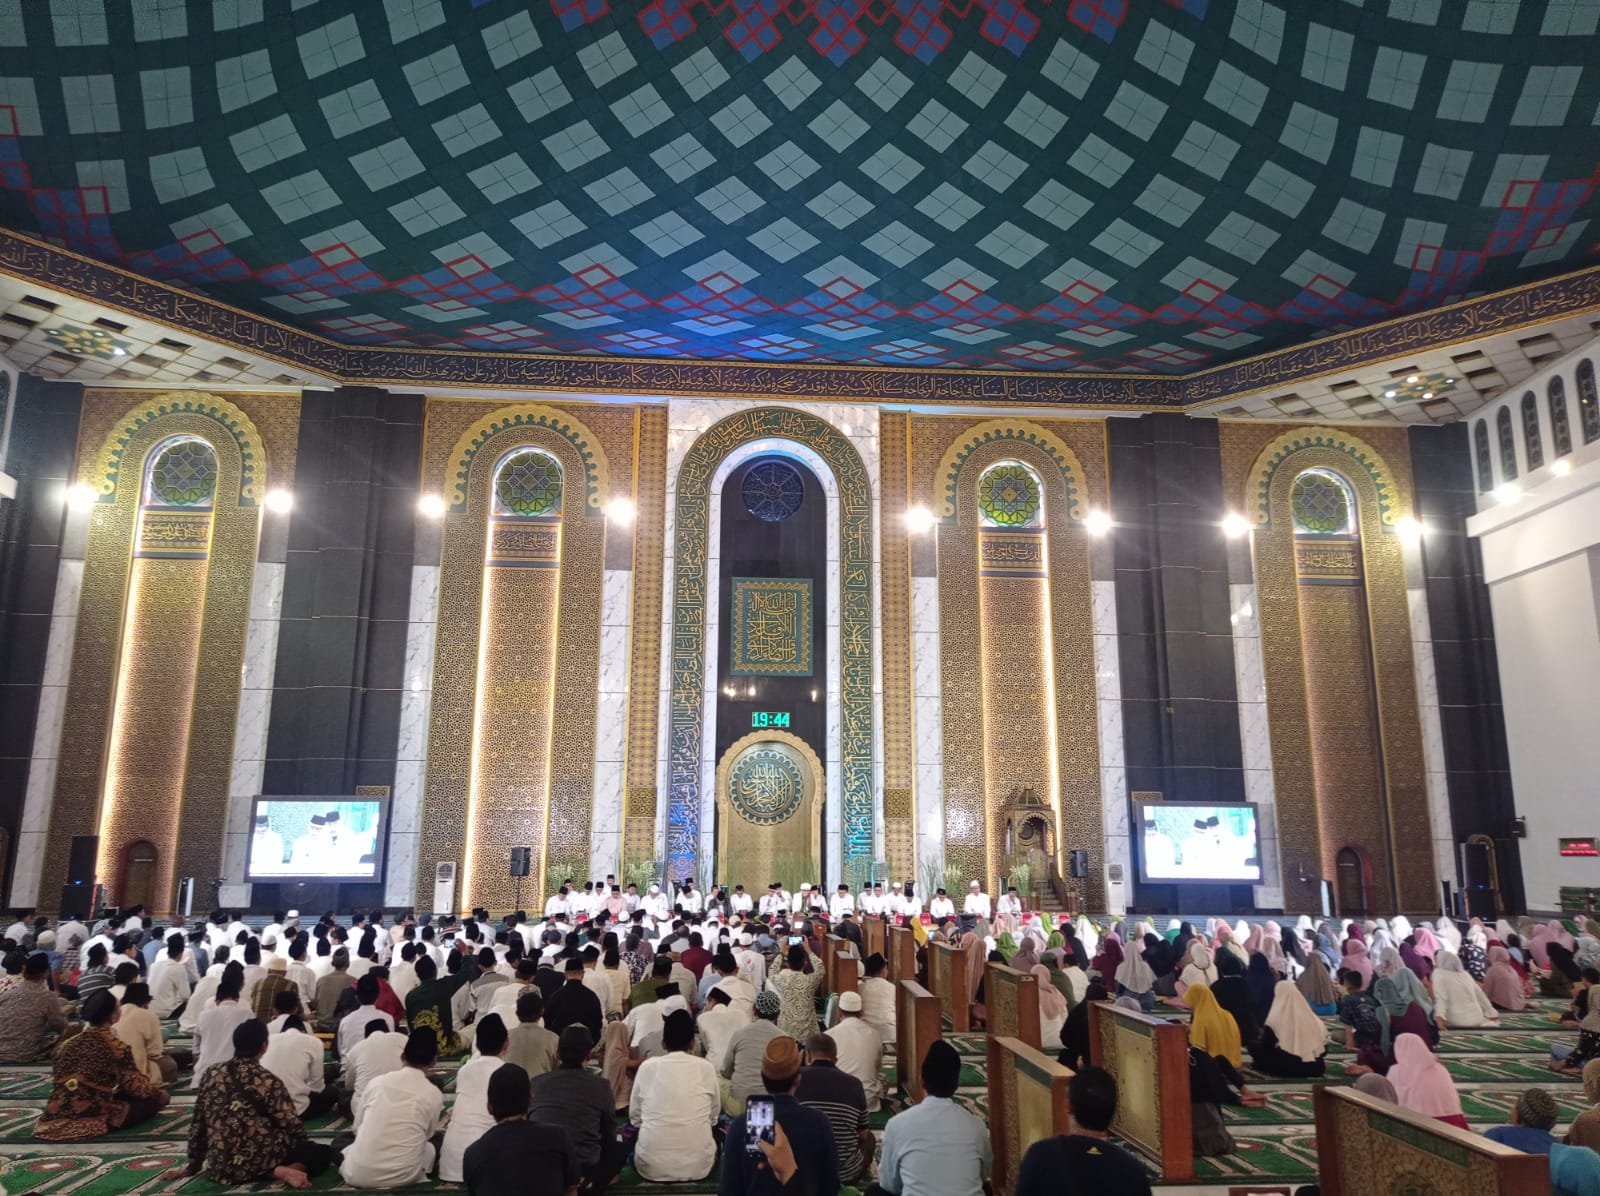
<point>1010,495</point>
<point>1588,402</point>
<point>1480,448</point>
<point>1323,504</point>
<point>1508,444</point>
<point>1532,441</point>
<point>182,473</point>
<point>527,485</point>
<point>1560,422</point>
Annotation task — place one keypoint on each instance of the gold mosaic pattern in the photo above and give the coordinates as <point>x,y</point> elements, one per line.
<point>93,682</point>
<point>223,418</point>
<point>174,534</point>
<point>972,790</point>
<point>1129,1053</point>
<point>1356,455</point>
<point>1305,851</point>
<point>644,646</point>
<point>529,418</point>
<point>691,541</point>
<point>564,833</point>
<point>760,846</point>
<point>1384,1155</point>
<point>894,620</point>
<point>1062,460</point>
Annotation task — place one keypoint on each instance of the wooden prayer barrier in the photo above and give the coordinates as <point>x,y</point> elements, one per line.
<point>830,944</point>
<point>1369,1147</point>
<point>902,953</point>
<point>1150,1059</point>
<point>916,1028</point>
<point>1011,1000</point>
<point>947,976</point>
<point>842,971</point>
<point>1027,1102</point>
<point>873,934</point>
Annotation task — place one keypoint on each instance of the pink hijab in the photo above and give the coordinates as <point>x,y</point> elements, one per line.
<point>977,956</point>
<point>1052,1004</point>
<point>1501,984</point>
<point>1355,960</point>
<point>1420,1081</point>
<point>1428,943</point>
<point>1539,945</point>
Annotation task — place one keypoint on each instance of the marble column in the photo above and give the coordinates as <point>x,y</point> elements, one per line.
<point>1117,851</point>
<point>411,757</point>
<point>1438,781</point>
<point>611,726</point>
<point>1255,734</point>
<point>928,721</point>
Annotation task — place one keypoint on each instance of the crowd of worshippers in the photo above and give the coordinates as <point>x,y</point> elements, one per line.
<point>594,1037</point>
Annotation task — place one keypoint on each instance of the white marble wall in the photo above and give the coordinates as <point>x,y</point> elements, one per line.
<point>47,735</point>
<point>411,763</point>
<point>928,722</point>
<point>687,420</point>
<point>611,728</point>
<point>1255,737</point>
<point>1444,851</point>
<point>250,728</point>
<point>1108,702</point>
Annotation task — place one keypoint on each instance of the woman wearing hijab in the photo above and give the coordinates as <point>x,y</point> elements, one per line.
<point>1449,934</point>
<point>1058,977</point>
<point>1501,984</point>
<point>1420,964</point>
<point>1006,944</point>
<point>1407,1015</point>
<point>1226,943</point>
<point>1585,1129</point>
<point>1316,986</point>
<point>1174,929</point>
<point>1326,946</point>
<point>1026,957</point>
<point>977,955</point>
<point>1135,979</point>
<point>1459,1003</point>
<point>1261,981</point>
<point>1215,1054</point>
<point>1110,957</point>
<point>1563,973</point>
<point>1571,1060</point>
<point>1272,948</point>
<point>1088,940</point>
<point>1400,927</point>
<point>1539,945</point>
<point>1075,1031</point>
<point>1212,1028</point>
<point>1232,992</point>
<point>1427,943</point>
<point>1422,1084</point>
<point>1052,1009</point>
<point>1199,968</point>
<point>1475,952</point>
<point>1356,960</point>
<point>1180,944</point>
<point>1076,955</point>
<point>1294,1041</point>
<point>1374,1085</point>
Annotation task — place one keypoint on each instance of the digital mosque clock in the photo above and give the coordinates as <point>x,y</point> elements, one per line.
<point>760,720</point>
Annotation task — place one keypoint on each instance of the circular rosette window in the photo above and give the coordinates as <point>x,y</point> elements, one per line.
<point>183,474</point>
<point>766,784</point>
<point>1321,504</point>
<point>528,484</point>
<point>773,491</point>
<point>1008,496</point>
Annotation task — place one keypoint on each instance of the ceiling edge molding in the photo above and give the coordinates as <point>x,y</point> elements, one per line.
<point>1528,306</point>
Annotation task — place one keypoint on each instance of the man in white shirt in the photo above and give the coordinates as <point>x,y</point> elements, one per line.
<point>719,1022</point>
<point>353,1025</point>
<point>379,1053</point>
<point>395,1120</point>
<point>299,972</point>
<point>1008,911</point>
<point>648,1018</point>
<point>842,903</point>
<point>676,1100</point>
<point>802,904</point>
<point>689,899</point>
<point>877,998</point>
<point>860,1048</point>
<point>941,906</point>
<point>169,979</point>
<point>977,903</point>
<point>294,1055</point>
<point>655,903</point>
<point>213,1034</point>
<point>752,964</point>
<point>896,903</point>
<point>772,903</point>
<point>911,904</point>
<point>871,902</point>
<point>559,906</point>
<point>19,929</point>
<point>630,897</point>
<point>740,902</point>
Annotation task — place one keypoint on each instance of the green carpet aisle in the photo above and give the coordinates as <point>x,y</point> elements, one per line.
<point>1276,1143</point>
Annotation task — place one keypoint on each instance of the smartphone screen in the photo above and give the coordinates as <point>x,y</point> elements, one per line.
<point>796,939</point>
<point>759,1117</point>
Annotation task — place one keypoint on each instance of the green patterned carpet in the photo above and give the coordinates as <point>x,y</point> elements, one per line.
<point>1276,1144</point>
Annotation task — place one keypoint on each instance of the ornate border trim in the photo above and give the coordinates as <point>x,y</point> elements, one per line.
<point>596,468</point>
<point>1527,306</point>
<point>691,537</point>
<point>1258,485</point>
<point>816,783</point>
<point>109,459</point>
<point>948,477</point>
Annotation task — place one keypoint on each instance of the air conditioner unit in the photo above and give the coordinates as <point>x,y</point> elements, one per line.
<point>1116,892</point>
<point>444,887</point>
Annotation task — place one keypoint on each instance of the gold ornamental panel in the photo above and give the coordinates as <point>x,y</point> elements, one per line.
<point>894,606</point>
<point>644,641</point>
<point>768,807</point>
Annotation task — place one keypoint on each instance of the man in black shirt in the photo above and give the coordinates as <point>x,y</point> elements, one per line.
<point>1083,1161</point>
<point>839,1097</point>
<point>574,1003</point>
<point>580,1102</point>
<point>515,1156</point>
<point>805,1130</point>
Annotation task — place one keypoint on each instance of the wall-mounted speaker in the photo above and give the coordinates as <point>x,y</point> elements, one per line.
<point>1079,864</point>
<point>521,860</point>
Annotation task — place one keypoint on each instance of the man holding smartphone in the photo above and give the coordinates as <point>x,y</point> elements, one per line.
<point>745,1170</point>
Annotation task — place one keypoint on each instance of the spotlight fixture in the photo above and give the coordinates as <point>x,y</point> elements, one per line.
<point>1412,379</point>
<point>1097,523</point>
<point>278,500</point>
<point>919,520</point>
<point>81,496</point>
<point>1408,529</point>
<point>621,511</point>
<point>1389,394</point>
<point>432,506</point>
<point>1507,492</point>
<point>1235,525</point>
<point>1561,468</point>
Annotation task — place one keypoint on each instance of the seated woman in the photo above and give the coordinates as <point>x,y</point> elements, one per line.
<point>1232,992</point>
<point>1134,978</point>
<point>1197,969</point>
<point>1316,986</point>
<point>1294,1040</point>
<point>1459,1003</point>
<point>1501,983</point>
<point>1262,984</point>
<point>1581,994</point>
<point>1570,1059</point>
<point>1075,1031</point>
<point>1406,992</point>
<point>1564,973</point>
<point>97,1085</point>
<point>1585,1129</point>
<point>1052,1010</point>
<point>1214,1033</point>
<point>1422,1084</point>
<point>245,1128</point>
<point>141,1030</point>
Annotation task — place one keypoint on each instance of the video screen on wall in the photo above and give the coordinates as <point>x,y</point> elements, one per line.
<point>316,838</point>
<point>1182,842</point>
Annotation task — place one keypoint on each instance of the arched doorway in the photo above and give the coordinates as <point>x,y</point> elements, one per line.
<point>139,875</point>
<point>1351,881</point>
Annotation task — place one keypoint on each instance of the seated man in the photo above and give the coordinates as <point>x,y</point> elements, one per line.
<point>1083,1161</point>
<point>840,1098</point>
<point>294,1055</point>
<point>97,1086</point>
<point>396,1120</point>
<point>676,1100</point>
<point>1532,1118</point>
<point>31,1017</point>
<point>532,1048</point>
<point>580,1102</point>
<point>860,1049</point>
<point>805,1131</point>
<point>877,998</point>
<point>936,1146</point>
<point>379,1053</point>
<point>518,1155</point>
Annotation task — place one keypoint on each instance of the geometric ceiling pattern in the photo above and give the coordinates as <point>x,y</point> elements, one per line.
<point>1050,185</point>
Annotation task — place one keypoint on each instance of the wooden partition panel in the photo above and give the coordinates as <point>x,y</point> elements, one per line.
<point>1368,1147</point>
<point>1027,1103</point>
<point>873,934</point>
<point>902,953</point>
<point>1150,1059</point>
<point>916,1028</point>
<point>947,976</point>
<point>830,947</point>
<point>842,972</point>
<point>1012,1001</point>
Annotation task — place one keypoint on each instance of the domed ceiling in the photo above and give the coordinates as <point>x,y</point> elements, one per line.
<point>1031,184</point>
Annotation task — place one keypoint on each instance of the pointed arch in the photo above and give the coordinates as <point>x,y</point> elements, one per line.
<point>596,468</point>
<point>1362,457</point>
<point>947,480</point>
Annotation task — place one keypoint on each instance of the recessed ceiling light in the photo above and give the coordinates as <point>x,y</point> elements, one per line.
<point>1389,394</point>
<point>1413,378</point>
<point>1427,394</point>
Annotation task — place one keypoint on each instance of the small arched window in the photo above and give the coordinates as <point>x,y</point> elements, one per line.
<point>1532,441</point>
<point>1508,444</point>
<point>181,474</point>
<point>1323,504</point>
<point>527,485</point>
<point>1588,402</point>
<point>1010,495</point>
<point>1480,448</point>
<point>1560,423</point>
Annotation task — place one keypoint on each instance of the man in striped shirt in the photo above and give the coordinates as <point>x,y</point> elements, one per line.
<point>839,1097</point>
